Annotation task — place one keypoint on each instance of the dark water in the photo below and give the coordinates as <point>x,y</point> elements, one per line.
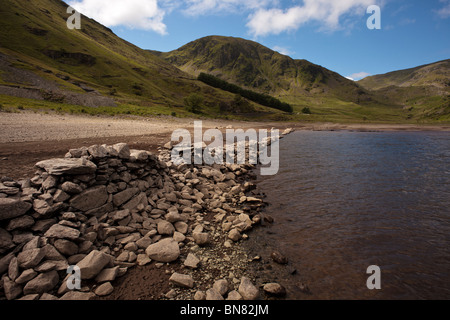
<point>346,200</point>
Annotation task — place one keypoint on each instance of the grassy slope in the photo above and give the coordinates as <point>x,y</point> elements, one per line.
<point>252,65</point>
<point>435,74</point>
<point>330,96</point>
<point>144,83</point>
<point>424,91</point>
<point>136,77</point>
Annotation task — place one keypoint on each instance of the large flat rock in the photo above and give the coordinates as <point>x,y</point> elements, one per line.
<point>30,258</point>
<point>42,283</point>
<point>13,208</point>
<point>62,232</point>
<point>59,167</point>
<point>122,197</point>
<point>133,203</point>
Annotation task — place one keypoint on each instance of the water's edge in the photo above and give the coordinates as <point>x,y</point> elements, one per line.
<point>396,218</point>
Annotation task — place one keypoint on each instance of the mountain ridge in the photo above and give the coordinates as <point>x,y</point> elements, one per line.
<point>432,74</point>
<point>425,88</point>
<point>252,65</point>
<point>304,84</point>
<point>89,67</point>
<point>94,67</point>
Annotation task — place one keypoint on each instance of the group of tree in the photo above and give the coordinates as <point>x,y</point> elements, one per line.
<point>262,99</point>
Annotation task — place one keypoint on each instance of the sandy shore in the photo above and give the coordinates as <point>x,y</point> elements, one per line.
<point>29,126</point>
<point>367,127</point>
<point>27,137</point>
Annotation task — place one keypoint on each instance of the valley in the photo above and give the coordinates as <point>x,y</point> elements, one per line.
<point>46,67</point>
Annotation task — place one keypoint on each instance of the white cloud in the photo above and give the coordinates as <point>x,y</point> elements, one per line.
<point>149,14</point>
<point>134,14</point>
<point>282,50</point>
<point>264,16</point>
<point>445,11</point>
<point>407,21</point>
<point>358,76</point>
<point>202,7</point>
<point>327,12</point>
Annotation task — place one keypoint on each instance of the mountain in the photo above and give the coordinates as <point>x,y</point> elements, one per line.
<point>254,66</point>
<point>44,65</point>
<point>435,74</point>
<point>424,89</point>
<point>41,59</point>
<point>304,84</point>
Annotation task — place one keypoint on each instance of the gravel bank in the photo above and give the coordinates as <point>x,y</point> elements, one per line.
<point>29,126</point>
<point>27,138</point>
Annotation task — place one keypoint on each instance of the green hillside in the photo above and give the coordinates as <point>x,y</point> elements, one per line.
<point>44,65</point>
<point>303,84</point>
<point>41,58</point>
<point>300,83</point>
<point>423,91</point>
<point>250,64</point>
<point>434,74</point>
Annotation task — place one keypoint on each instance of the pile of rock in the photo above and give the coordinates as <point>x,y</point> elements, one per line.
<point>107,208</point>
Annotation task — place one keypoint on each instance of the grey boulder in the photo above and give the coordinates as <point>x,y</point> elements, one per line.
<point>166,250</point>
<point>42,283</point>
<point>92,264</point>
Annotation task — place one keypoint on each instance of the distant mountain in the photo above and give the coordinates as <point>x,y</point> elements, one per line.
<point>424,89</point>
<point>254,66</point>
<point>435,74</point>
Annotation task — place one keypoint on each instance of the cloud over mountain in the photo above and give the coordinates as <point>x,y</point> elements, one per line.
<point>326,12</point>
<point>264,17</point>
<point>358,76</point>
<point>134,14</point>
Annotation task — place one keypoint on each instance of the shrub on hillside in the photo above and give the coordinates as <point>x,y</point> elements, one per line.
<point>306,110</point>
<point>193,102</point>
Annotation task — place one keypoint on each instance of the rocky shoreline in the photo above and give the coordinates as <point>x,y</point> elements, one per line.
<point>109,209</point>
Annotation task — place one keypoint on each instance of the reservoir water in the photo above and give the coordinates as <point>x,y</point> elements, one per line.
<point>343,201</point>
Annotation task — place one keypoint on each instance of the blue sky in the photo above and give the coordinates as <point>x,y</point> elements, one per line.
<point>331,33</point>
